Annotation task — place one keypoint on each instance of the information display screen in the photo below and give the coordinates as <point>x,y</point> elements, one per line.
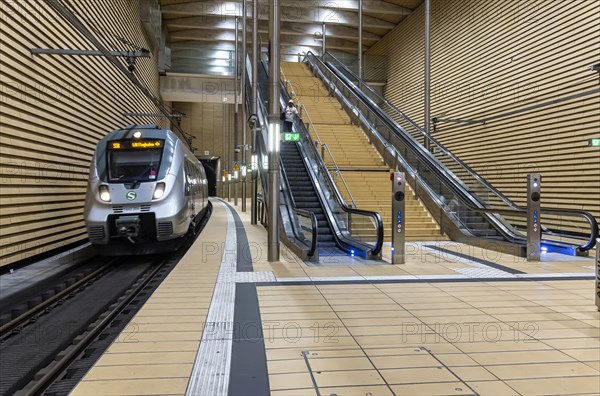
<point>140,144</point>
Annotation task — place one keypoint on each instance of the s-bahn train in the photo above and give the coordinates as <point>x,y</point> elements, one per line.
<point>146,192</point>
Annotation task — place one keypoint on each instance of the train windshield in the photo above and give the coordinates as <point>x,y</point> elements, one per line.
<point>133,165</point>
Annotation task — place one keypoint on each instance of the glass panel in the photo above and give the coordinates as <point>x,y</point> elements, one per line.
<point>133,165</point>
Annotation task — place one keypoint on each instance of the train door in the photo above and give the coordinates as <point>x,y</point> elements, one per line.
<point>189,187</point>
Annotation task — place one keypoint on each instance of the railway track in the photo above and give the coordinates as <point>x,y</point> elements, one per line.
<point>39,341</point>
<point>48,349</point>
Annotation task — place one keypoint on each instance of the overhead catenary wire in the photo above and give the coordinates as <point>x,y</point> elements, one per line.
<point>108,39</point>
<point>72,19</point>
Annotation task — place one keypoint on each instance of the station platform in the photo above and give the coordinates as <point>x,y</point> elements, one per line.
<point>453,320</point>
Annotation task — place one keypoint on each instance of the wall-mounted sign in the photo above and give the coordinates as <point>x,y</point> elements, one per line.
<point>291,137</point>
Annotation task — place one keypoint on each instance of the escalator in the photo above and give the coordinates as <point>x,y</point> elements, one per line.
<point>470,208</point>
<point>305,196</point>
<point>309,201</point>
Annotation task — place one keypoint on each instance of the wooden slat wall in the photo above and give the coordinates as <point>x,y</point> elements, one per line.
<point>53,111</point>
<point>492,57</point>
<point>205,121</point>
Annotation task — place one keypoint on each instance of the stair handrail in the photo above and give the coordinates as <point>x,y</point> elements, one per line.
<point>518,211</point>
<point>338,172</point>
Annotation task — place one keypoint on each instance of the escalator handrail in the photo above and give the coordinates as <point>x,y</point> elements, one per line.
<point>301,212</point>
<point>426,135</point>
<point>376,250</point>
<point>518,211</point>
<point>286,189</point>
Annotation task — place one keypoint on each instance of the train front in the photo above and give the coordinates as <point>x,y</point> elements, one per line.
<point>135,194</point>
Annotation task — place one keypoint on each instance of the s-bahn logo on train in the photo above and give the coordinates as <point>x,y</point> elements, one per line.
<point>131,195</point>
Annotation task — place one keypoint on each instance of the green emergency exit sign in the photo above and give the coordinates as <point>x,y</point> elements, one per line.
<point>595,142</point>
<point>291,137</point>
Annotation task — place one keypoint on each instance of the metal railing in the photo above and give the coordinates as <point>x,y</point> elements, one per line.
<point>445,188</point>
<point>407,125</point>
<point>336,171</point>
<point>476,184</point>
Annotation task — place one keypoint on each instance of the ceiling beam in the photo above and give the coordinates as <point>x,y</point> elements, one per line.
<point>298,12</point>
<point>292,28</point>
<point>226,36</point>
<point>234,7</point>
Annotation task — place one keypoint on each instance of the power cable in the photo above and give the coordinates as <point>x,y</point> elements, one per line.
<point>70,17</point>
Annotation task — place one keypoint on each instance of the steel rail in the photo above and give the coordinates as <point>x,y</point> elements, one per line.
<point>6,328</point>
<point>75,350</point>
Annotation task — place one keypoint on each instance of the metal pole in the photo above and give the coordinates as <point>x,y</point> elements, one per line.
<point>598,273</point>
<point>244,109</point>
<point>427,72</point>
<point>236,117</point>
<point>254,200</point>
<point>225,149</point>
<point>360,65</point>
<point>235,191</point>
<point>324,34</point>
<point>274,127</point>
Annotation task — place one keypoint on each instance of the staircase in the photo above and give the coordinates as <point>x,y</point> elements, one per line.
<point>305,196</point>
<point>363,169</point>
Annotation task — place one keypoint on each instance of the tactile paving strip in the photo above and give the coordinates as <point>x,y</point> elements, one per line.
<point>210,375</point>
<point>484,272</point>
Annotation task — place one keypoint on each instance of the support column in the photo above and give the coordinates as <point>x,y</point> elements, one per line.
<point>427,73</point>
<point>244,102</point>
<point>360,25</point>
<point>274,127</point>
<point>226,141</point>
<point>254,200</point>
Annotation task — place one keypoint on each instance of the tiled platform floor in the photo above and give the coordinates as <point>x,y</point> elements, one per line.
<point>440,337</point>
<point>504,338</point>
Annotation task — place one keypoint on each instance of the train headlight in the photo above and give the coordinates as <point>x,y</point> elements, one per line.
<point>104,193</point>
<point>159,191</point>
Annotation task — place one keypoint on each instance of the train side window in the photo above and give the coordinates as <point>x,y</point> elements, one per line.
<point>187,178</point>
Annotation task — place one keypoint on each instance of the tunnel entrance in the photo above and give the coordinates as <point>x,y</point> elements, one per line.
<point>212,166</point>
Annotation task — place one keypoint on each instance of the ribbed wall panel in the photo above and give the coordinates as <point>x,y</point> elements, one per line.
<point>490,58</point>
<point>53,111</point>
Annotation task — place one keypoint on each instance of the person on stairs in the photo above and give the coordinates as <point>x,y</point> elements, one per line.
<point>289,115</point>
